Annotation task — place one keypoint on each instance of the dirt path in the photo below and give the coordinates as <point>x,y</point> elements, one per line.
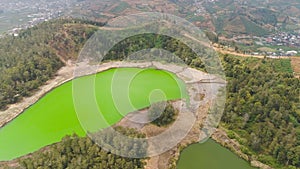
<point>295,61</point>
<point>221,50</point>
<point>237,54</point>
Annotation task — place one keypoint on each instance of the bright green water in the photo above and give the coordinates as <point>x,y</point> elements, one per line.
<point>210,155</point>
<point>54,116</point>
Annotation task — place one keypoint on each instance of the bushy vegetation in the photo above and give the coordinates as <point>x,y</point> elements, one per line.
<point>219,24</point>
<point>145,41</point>
<point>212,36</point>
<point>265,16</point>
<point>282,65</point>
<point>120,146</point>
<point>263,108</point>
<point>121,7</point>
<point>76,153</point>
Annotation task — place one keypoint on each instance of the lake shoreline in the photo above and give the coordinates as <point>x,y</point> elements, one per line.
<point>70,72</point>
<point>14,110</point>
<point>63,75</point>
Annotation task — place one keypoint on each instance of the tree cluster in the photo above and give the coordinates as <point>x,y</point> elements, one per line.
<point>145,41</point>
<point>162,114</point>
<point>122,141</point>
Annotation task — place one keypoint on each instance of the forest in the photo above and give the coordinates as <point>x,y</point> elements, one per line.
<point>262,109</point>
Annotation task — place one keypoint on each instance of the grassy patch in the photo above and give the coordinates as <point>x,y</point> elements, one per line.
<point>120,8</point>
<point>266,49</point>
<point>252,28</point>
<point>286,48</point>
<point>194,18</point>
<point>282,65</point>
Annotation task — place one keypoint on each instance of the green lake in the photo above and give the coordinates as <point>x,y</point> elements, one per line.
<point>210,155</point>
<point>54,116</point>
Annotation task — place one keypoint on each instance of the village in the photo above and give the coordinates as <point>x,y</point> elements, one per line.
<point>33,12</point>
<point>274,46</point>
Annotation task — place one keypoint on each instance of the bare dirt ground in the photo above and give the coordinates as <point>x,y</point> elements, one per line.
<point>237,54</point>
<point>202,89</point>
<point>296,66</point>
<point>170,157</point>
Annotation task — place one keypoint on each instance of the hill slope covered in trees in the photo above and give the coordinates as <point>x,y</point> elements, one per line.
<point>32,58</point>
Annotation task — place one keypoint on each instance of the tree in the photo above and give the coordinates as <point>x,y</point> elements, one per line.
<point>162,114</point>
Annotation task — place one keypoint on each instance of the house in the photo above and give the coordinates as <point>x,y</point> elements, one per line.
<point>291,53</point>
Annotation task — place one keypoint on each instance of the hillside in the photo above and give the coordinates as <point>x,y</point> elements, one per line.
<point>32,58</point>
<point>259,16</point>
<point>226,17</point>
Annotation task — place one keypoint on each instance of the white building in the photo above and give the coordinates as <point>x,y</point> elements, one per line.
<point>291,53</point>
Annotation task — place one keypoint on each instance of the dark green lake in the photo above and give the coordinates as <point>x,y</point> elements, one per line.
<point>210,155</point>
